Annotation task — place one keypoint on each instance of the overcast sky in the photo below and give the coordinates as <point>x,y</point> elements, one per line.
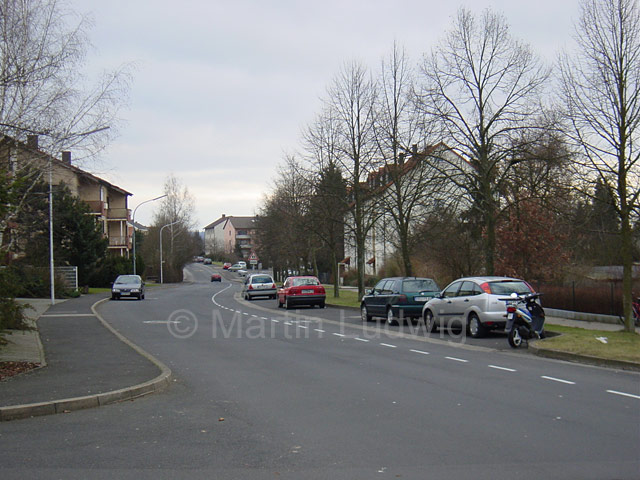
<point>223,89</point>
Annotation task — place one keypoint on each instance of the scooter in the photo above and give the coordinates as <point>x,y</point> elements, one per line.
<point>525,319</point>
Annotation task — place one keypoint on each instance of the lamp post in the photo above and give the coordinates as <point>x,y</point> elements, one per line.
<point>161,261</point>
<point>133,221</point>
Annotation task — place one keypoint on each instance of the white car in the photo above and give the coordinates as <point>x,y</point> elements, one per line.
<point>474,303</point>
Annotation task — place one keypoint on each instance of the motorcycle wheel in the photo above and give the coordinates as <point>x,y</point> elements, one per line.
<point>514,338</point>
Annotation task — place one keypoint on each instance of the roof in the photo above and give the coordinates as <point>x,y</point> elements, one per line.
<point>242,222</point>
<point>217,222</point>
<point>59,163</point>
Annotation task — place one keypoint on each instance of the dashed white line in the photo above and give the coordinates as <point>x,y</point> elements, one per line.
<point>361,339</point>
<point>502,368</point>
<point>461,360</point>
<point>302,326</point>
<point>419,351</point>
<point>338,334</point>
<point>319,330</point>
<point>558,380</point>
<point>288,323</point>
<point>275,321</point>
<point>624,394</point>
<point>388,345</point>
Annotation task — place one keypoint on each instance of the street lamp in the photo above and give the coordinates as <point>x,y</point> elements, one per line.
<point>161,261</point>
<point>133,221</point>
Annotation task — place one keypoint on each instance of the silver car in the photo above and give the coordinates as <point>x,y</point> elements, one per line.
<point>474,303</point>
<point>259,285</point>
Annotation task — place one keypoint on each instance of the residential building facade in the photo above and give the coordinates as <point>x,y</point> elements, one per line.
<point>231,235</point>
<point>108,203</point>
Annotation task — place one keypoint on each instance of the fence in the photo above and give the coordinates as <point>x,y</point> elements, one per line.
<point>594,297</point>
<point>69,275</point>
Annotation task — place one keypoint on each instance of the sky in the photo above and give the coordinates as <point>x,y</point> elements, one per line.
<point>222,90</point>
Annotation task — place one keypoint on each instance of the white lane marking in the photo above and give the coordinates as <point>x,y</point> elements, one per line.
<point>161,321</point>
<point>68,315</point>
<point>558,380</point>
<point>338,334</point>
<point>302,326</point>
<point>502,368</point>
<point>361,339</point>
<point>245,313</point>
<point>624,394</point>
<point>275,321</point>
<point>319,330</point>
<point>419,351</point>
<point>264,318</point>
<point>288,323</point>
<point>388,345</point>
<point>457,359</point>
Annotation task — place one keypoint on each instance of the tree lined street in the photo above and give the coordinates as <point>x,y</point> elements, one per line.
<point>259,394</point>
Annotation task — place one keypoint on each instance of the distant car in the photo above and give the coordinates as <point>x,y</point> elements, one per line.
<point>235,267</point>
<point>226,266</point>
<point>242,272</point>
<point>127,286</point>
<point>199,259</point>
<point>474,303</point>
<point>303,290</point>
<point>259,285</point>
<point>216,277</point>
<point>398,298</point>
<point>207,261</point>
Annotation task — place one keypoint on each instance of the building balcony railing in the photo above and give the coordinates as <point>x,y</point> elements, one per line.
<point>118,214</point>
<point>243,237</point>
<point>96,206</point>
<point>119,241</point>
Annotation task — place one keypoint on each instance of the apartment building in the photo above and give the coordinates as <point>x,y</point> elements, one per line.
<point>107,202</point>
<point>229,234</point>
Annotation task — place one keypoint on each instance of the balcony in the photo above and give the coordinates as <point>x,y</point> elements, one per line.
<point>96,206</point>
<point>118,214</point>
<point>120,241</point>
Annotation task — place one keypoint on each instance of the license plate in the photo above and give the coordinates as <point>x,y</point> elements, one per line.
<point>125,293</point>
<point>509,316</point>
<point>307,291</point>
<point>260,285</point>
<point>420,299</point>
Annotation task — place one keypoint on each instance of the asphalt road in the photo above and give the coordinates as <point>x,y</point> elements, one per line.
<point>264,393</point>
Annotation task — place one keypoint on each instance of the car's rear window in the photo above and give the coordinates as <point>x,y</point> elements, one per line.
<point>299,282</point>
<point>262,279</point>
<point>419,285</point>
<point>509,287</point>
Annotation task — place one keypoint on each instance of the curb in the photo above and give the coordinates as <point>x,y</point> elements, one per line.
<point>67,405</point>
<point>585,359</point>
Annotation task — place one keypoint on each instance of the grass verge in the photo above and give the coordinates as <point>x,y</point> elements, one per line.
<point>620,345</point>
<point>347,298</point>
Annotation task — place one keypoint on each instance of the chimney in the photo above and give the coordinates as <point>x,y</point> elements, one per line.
<point>223,215</point>
<point>32,141</point>
<point>66,158</point>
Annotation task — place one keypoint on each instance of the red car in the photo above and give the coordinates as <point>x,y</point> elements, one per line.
<point>305,290</point>
<point>216,277</point>
<point>226,266</point>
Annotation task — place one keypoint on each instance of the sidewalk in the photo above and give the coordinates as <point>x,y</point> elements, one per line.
<point>84,360</point>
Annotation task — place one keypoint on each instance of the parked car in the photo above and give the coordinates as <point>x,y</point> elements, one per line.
<point>199,259</point>
<point>127,286</point>
<point>398,298</point>
<point>207,261</point>
<point>216,277</point>
<point>473,303</point>
<point>226,266</point>
<point>304,290</point>
<point>242,272</point>
<point>259,285</point>
<point>235,267</point>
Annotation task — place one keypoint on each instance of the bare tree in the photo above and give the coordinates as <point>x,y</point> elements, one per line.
<point>42,86</point>
<point>601,91</point>
<point>480,88</point>
<point>351,100</point>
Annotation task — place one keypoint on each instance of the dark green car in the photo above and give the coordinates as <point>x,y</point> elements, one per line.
<point>398,298</point>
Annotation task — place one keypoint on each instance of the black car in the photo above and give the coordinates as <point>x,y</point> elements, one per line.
<point>398,298</point>
<point>130,286</point>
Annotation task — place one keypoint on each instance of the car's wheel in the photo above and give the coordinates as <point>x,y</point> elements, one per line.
<point>514,338</point>
<point>113,297</point>
<point>390,318</point>
<point>143,296</point>
<point>139,296</point>
<point>287,303</point>
<point>278,301</point>
<point>475,327</point>
<point>321,305</point>
<point>364,313</point>
<point>429,321</point>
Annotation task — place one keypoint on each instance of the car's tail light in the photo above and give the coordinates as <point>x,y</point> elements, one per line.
<point>486,288</point>
<point>402,299</point>
<point>250,287</point>
<point>511,309</point>
<point>273,285</point>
